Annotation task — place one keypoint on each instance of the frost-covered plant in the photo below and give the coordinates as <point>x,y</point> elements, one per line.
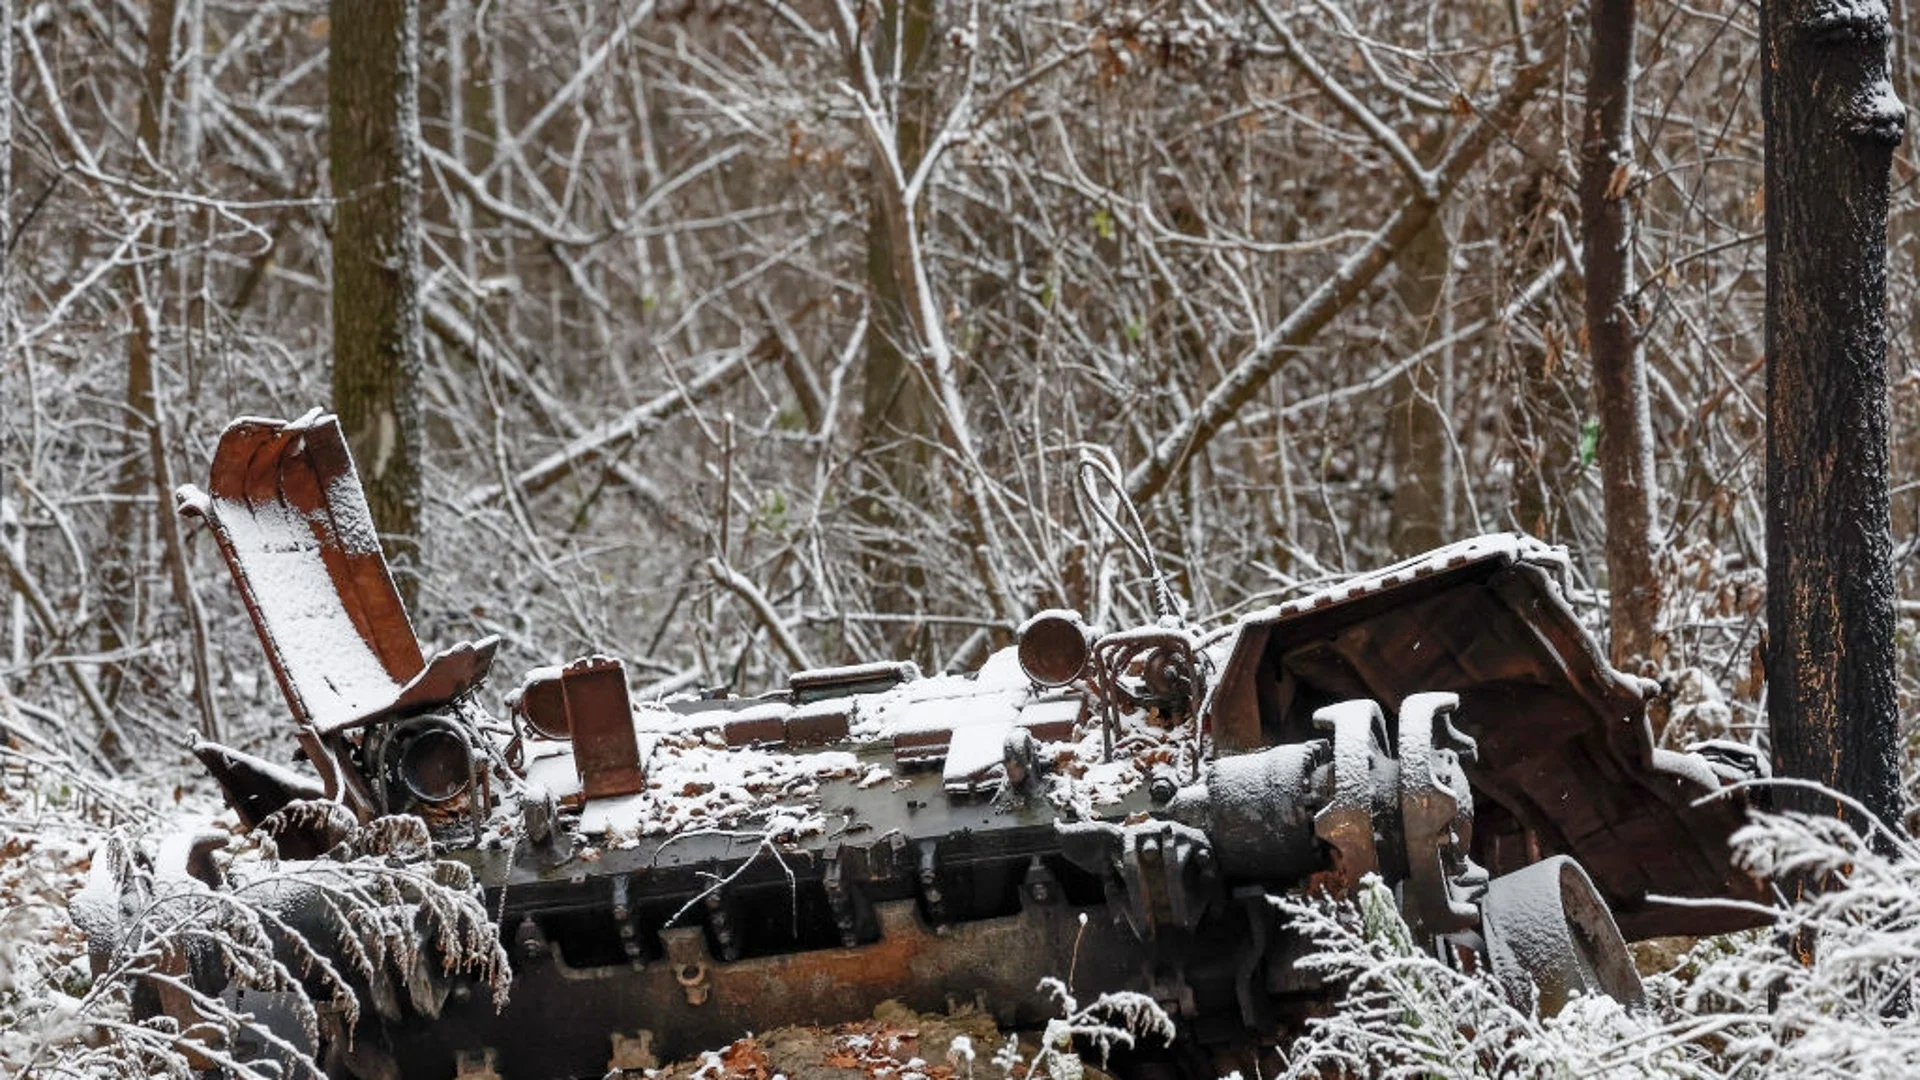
<point>1113,1020</point>
<point>1406,1013</point>
<point>1117,1020</point>
<point>1827,992</point>
<point>1831,991</point>
<point>311,937</point>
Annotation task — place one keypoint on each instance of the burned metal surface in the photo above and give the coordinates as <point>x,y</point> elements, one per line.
<point>586,704</point>
<point>1121,806</point>
<point>1566,761</point>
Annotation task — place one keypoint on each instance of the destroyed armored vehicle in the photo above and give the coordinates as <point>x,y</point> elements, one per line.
<point>668,876</point>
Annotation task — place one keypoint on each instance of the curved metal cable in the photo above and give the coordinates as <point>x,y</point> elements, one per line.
<point>1092,467</point>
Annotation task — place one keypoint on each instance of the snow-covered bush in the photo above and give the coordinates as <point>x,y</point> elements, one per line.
<point>1745,1005</point>
<point>1406,1013</point>
<point>1113,1021</point>
<point>1845,1010</point>
<point>248,976</point>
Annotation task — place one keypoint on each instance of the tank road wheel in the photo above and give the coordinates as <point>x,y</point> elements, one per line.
<point>1547,928</point>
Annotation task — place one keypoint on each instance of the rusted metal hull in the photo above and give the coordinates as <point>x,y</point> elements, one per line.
<point>1116,809</point>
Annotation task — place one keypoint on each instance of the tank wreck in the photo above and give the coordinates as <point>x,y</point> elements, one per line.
<point>1120,804</point>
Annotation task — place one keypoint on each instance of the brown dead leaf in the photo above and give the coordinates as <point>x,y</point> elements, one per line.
<point>1617,183</point>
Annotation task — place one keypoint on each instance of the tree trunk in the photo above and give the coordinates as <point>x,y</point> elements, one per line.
<point>1832,122</point>
<point>120,570</point>
<point>373,145</point>
<point>892,404</point>
<point>1417,430</point>
<point>894,411</point>
<point>1613,335</point>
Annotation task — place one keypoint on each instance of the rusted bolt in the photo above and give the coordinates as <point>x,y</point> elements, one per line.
<point>533,943</point>
<point>693,979</point>
<point>1162,788</point>
<point>1042,892</point>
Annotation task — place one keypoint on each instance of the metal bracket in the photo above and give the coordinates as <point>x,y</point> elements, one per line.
<point>1436,810</point>
<point>1346,822</point>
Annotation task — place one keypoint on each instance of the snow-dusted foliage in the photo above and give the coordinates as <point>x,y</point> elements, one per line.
<point>1750,1005</point>
<point>1408,1014</point>
<point>1113,1021</point>
<point>1847,1009</point>
<point>248,976</point>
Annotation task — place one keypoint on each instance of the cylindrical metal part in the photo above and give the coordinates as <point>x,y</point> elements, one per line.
<point>431,760</point>
<point>1054,646</point>
<point>1257,809</point>
<point>1549,931</point>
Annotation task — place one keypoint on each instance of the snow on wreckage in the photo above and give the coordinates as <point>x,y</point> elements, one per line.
<point>666,877</point>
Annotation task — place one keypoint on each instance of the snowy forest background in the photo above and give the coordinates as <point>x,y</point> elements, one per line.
<point>766,335</point>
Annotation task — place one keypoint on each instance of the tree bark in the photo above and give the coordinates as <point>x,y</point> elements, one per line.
<point>1416,430</point>
<point>373,145</point>
<point>897,421</point>
<point>1832,122</point>
<point>892,404</point>
<point>1613,336</point>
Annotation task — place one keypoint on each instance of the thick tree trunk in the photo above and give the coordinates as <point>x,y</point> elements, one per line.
<point>892,402</point>
<point>897,422</point>
<point>373,144</point>
<point>1832,122</point>
<point>1417,430</point>
<point>1613,335</point>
